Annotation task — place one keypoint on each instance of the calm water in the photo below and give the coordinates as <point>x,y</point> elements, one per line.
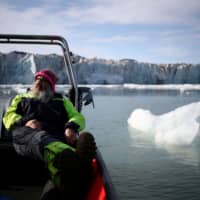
<point>140,169</point>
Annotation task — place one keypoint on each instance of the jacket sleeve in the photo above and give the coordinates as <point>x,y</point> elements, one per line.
<point>11,117</point>
<point>76,119</point>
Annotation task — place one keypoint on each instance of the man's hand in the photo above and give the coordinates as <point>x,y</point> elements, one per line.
<point>34,123</point>
<point>71,136</point>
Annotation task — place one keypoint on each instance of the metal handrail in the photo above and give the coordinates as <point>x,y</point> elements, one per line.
<point>47,40</point>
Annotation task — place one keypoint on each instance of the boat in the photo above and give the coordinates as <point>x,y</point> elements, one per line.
<point>18,174</point>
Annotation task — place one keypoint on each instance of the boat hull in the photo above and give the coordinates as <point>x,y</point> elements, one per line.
<point>18,173</point>
<point>18,170</point>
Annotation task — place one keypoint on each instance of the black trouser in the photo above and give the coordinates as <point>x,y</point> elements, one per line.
<point>31,142</point>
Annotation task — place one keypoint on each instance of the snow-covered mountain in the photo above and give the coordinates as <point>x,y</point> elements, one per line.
<point>19,67</point>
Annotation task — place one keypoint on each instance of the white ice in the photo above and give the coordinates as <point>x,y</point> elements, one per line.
<point>178,127</point>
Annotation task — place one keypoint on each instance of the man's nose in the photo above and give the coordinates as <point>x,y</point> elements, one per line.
<point>38,80</point>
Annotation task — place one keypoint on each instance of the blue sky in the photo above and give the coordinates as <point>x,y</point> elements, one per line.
<point>156,31</point>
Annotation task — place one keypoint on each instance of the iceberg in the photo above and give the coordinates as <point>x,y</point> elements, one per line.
<point>177,127</point>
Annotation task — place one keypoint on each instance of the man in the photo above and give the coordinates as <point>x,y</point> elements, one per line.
<point>45,126</point>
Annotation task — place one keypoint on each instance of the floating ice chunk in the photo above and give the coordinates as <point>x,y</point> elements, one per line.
<point>178,127</point>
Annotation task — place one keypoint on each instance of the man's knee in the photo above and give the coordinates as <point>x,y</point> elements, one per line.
<point>30,142</point>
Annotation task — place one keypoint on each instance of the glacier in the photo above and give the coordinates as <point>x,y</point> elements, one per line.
<point>19,67</point>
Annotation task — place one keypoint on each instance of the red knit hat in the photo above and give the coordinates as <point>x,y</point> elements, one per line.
<point>49,76</point>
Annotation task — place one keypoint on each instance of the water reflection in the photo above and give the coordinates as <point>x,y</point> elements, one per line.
<point>185,154</point>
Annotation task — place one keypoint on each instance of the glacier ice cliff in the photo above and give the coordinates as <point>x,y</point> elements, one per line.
<point>19,67</point>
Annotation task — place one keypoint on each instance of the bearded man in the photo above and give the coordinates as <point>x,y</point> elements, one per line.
<point>45,125</point>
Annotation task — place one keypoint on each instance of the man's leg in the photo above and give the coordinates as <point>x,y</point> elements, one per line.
<point>73,168</point>
<point>31,142</point>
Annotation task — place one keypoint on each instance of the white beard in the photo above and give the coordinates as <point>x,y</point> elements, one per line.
<point>44,95</point>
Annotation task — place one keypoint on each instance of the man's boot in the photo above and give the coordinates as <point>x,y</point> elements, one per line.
<point>86,147</point>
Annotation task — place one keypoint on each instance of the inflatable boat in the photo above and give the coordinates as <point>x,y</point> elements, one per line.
<point>19,174</point>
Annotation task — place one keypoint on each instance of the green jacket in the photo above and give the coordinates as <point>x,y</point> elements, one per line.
<point>56,115</point>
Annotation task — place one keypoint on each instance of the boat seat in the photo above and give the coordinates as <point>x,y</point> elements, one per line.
<point>4,134</point>
<point>18,175</point>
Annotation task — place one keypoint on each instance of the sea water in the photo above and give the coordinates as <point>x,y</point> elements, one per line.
<point>143,162</point>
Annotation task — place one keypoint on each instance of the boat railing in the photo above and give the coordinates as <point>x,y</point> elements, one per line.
<point>47,40</point>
